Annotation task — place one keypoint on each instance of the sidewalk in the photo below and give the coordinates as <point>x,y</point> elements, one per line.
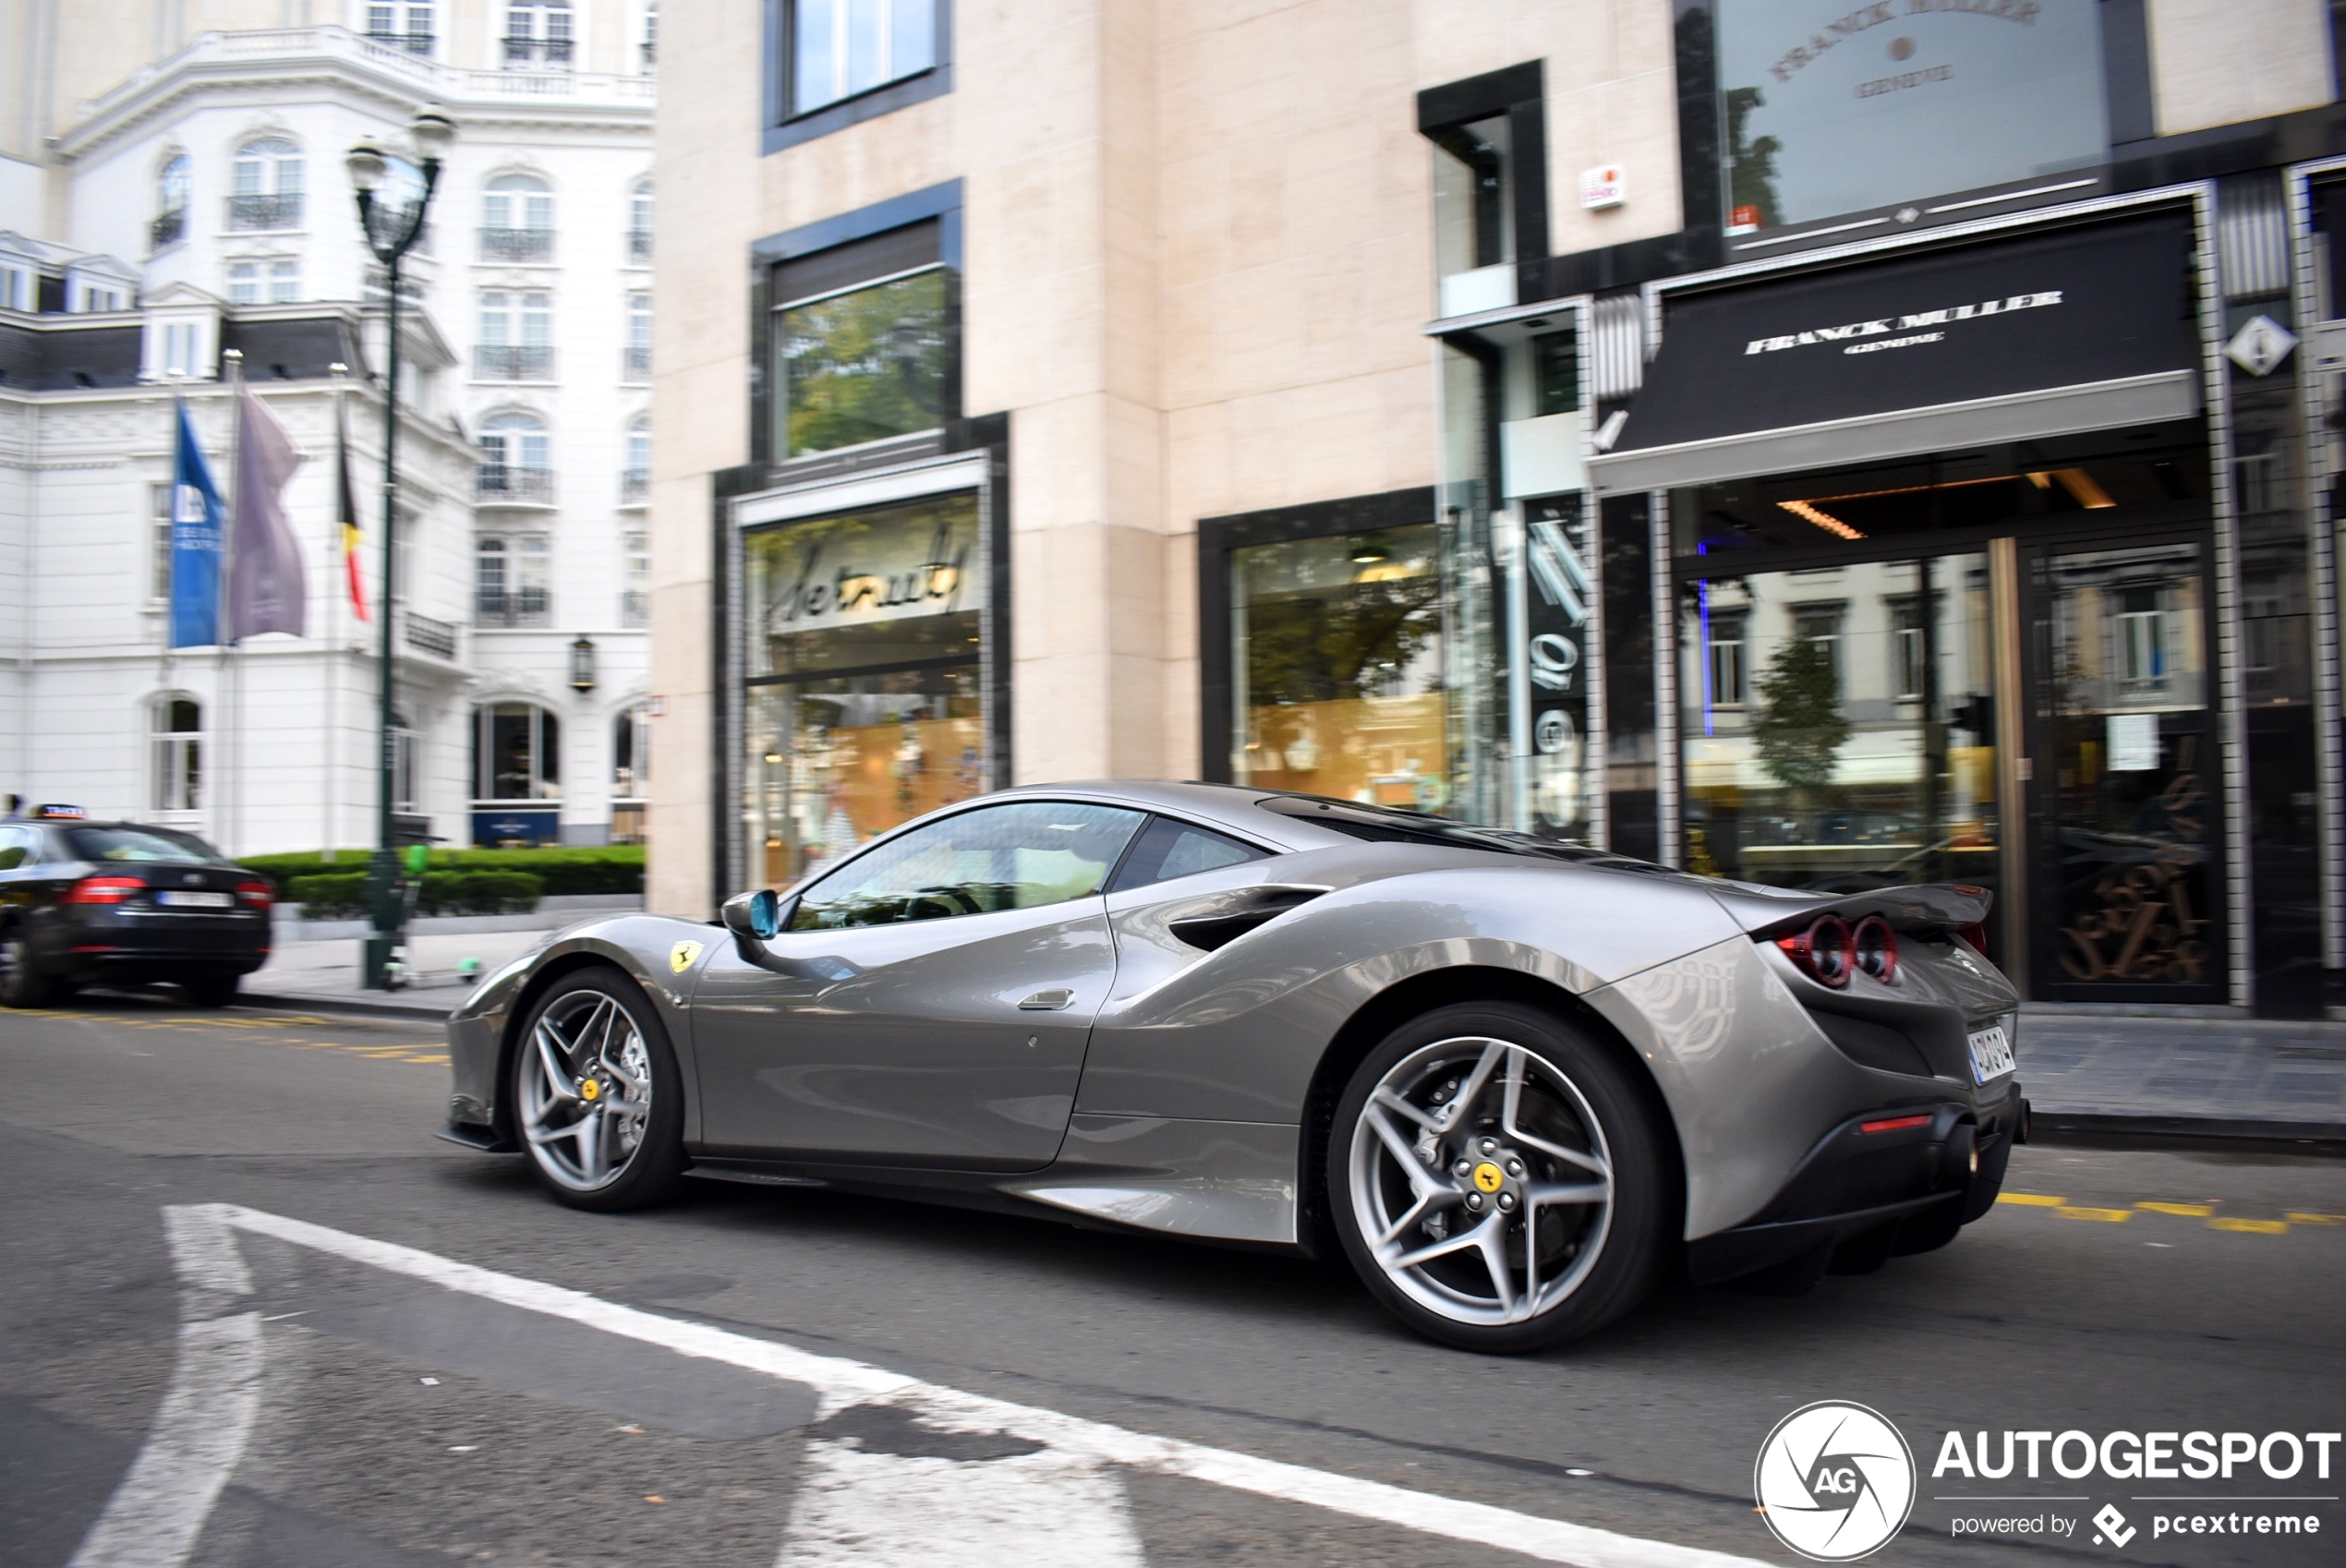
<point>2090,1075</point>
<point>325,974</point>
<point>2184,1076</point>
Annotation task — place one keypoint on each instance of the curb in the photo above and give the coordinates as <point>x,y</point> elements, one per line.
<point>336,1002</point>
<point>2171,1133</point>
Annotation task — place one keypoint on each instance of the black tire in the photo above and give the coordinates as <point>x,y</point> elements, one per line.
<point>212,990</point>
<point>653,1168</point>
<point>1603,1263</point>
<point>25,982</point>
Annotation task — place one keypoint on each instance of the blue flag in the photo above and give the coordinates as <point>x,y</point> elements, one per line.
<point>195,543</point>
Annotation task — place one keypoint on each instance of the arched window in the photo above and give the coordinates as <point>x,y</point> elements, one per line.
<point>538,35</point>
<point>175,730</point>
<point>517,219</point>
<point>639,222</point>
<point>516,753</point>
<point>510,580</point>
<point>513,459</point>
<point>267,193</point>
<point>169,225</point>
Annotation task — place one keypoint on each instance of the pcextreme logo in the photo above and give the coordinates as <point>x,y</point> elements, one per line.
<point>1834,1481</point>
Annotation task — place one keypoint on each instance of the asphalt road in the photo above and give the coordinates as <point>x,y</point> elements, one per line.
<point>382,1408</point>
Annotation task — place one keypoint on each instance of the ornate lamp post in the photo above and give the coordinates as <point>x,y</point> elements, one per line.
<point>391,221</point>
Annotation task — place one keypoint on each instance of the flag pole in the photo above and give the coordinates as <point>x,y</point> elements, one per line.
<point>232,666</point>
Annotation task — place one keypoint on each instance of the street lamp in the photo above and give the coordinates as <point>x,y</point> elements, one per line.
<point>390,225</point>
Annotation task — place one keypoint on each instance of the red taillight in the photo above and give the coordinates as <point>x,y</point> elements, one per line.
<point>1892,1123</point>
<point>1877,947</point>
<point>257,894</point>
<point>104,889</point>
<point>1822,951</point>
<point>1976,938</point>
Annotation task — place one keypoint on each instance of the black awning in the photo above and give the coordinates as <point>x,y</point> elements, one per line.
<point>2075,330</point>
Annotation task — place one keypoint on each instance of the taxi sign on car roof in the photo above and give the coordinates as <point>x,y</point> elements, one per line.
<point>58,814</point>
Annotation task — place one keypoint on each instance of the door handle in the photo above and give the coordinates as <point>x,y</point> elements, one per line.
<point>1046,1001</point>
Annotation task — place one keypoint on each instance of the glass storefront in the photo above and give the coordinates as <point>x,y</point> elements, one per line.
<point>864,705</point>
<point>1338,656</point>
<point>1837,725</point>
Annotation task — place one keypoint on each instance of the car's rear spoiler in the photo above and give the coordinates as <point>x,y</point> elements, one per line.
<point>1928,909</point>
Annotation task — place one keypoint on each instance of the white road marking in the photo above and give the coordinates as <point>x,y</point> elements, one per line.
<point>1044,1510</point>
<point>200,1428</point>
<point>839,1382</point>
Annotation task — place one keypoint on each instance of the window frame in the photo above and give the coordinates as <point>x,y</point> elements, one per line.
<point>785,127</point>
<point>927,823</point>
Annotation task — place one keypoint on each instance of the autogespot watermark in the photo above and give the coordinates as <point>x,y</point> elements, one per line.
<point>1836,1481</point>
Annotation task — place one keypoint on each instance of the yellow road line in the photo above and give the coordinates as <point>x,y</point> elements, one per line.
<point>2189,1211</point>
<point>2030,1199</point>
<point>2254,1227</point>
<point>2305,1217</point>
<point>2109,1216</point>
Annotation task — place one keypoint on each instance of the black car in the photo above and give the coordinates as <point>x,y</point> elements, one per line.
<point>111,903</point>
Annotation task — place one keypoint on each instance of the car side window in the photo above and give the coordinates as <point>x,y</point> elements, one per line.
<point>16,845</point>
<point>1170,849</point>
<point>1014,856</point>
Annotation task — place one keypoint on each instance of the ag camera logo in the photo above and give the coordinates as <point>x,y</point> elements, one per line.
<point>1834,1481</point>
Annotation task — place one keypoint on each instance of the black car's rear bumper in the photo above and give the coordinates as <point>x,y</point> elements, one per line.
<point>118,947</point>
<point>1873,1189</point>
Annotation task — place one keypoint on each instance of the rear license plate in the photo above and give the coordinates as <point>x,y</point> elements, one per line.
<point>1990,1052</point>
<point>177,900</point>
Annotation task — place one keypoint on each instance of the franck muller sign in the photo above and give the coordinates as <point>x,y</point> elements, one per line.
<point>2062,309</point>
<point>1914,328</point>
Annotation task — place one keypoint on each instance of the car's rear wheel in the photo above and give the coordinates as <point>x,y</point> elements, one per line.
<point>596,1096</point>
<point>24,982</point>
<point>1500,1180</point>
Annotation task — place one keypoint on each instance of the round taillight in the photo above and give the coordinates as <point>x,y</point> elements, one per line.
<point>1877,948</point>
<point>1823,952</point>
<point>258,894</point>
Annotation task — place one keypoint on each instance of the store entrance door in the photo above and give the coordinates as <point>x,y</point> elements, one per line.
<point>2125,870</point>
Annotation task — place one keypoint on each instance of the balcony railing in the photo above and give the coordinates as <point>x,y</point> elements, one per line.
<point>552,53</point>
<point>166,228</point>
<point>511,606</point>
<point>639,245</point>
<point>424,634</point>
<point>495,482</point>
<point>414,42</point>
<point>516,245</point>
<point>635,362</point>
<point>279,211</point>
<point>634,485</point>
<point>514,362</point>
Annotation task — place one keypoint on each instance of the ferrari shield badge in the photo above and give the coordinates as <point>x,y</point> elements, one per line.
<point>681,957</point>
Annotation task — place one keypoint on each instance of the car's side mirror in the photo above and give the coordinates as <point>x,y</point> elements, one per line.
<point>755,919</point>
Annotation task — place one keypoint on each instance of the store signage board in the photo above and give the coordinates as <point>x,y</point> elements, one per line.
<point>2133,740</point>
<point>2101,305</point>
<point>867,568</point>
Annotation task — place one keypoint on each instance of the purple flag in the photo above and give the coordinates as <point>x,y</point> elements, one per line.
<point>266,590</point>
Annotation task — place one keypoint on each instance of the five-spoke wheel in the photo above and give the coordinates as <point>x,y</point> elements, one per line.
<point>596,1092</point>
<point>1496,1178</point>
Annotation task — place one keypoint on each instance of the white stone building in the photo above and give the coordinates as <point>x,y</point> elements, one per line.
<point>205,188</point>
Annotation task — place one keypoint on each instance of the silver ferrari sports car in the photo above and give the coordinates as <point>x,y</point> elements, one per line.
<point>1515,1083</point>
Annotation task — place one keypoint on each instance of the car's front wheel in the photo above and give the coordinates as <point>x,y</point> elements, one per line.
<point>1500,1179</point>
<point>596,1096</point>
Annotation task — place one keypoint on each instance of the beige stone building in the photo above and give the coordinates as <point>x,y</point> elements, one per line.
<point>1365,397</point>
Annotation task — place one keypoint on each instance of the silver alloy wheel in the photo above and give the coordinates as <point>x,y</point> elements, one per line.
<point>586,1089</point>
<point>1481,1180</point>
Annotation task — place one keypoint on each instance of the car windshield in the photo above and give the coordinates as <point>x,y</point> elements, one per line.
<point>1384,825</point>
<point>141,844</point>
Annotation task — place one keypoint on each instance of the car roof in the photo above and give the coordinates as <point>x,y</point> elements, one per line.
<point>1232,806</point>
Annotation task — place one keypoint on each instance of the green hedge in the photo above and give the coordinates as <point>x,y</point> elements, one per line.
<point>614,868</point>
<point>343,895</point>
